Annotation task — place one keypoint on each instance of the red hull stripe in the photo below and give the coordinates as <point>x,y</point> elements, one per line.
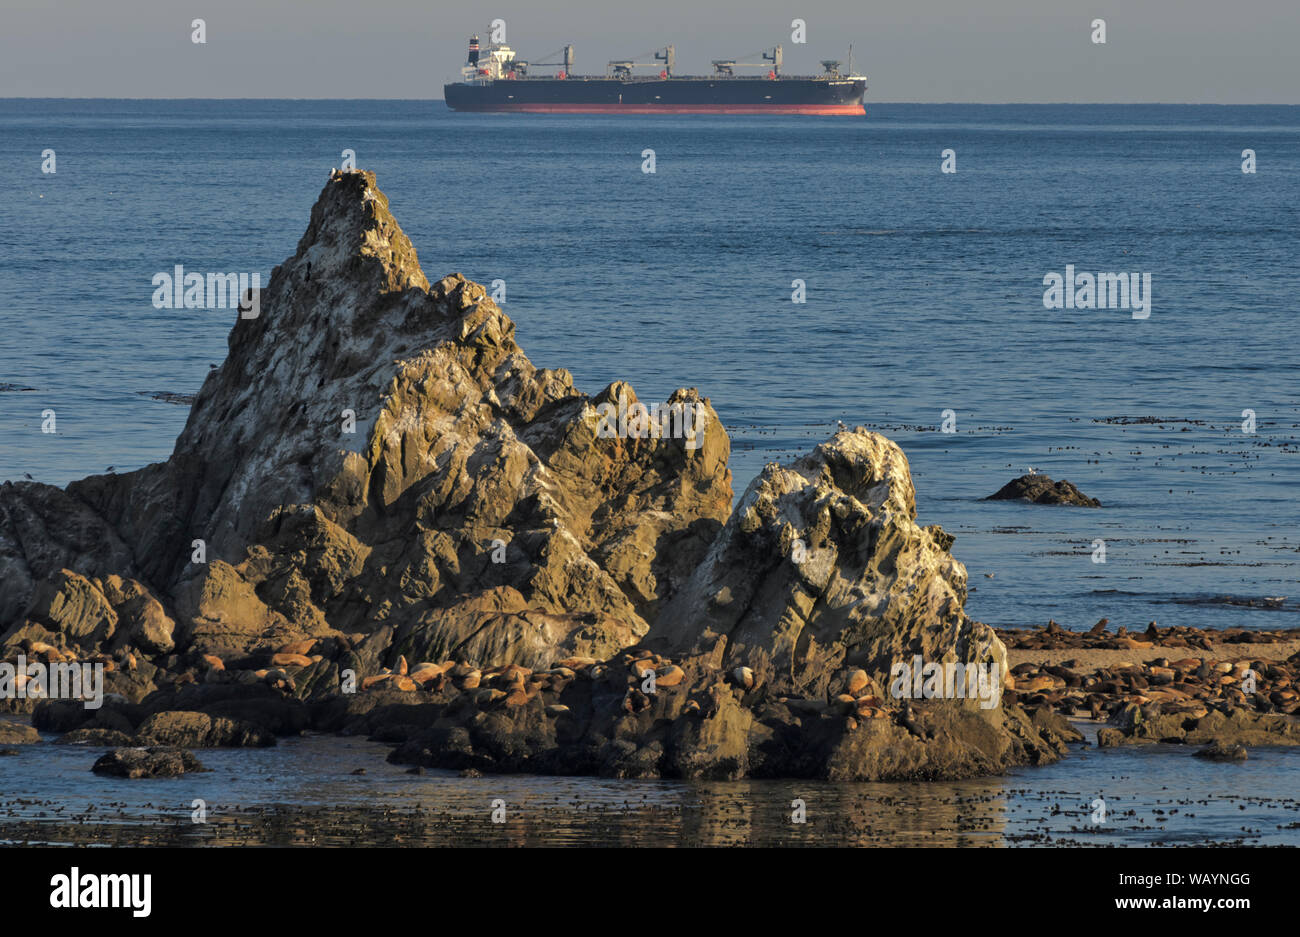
<point>824,110</point>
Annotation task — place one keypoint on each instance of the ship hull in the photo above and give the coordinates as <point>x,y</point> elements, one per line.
<point>809,96</point>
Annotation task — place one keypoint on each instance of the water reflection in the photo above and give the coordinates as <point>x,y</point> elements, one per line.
<point>304,792</point>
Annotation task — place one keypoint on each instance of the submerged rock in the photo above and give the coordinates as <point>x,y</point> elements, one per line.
<point>155,762</point>
<point>1042,490</point>
<point>1221,751</point>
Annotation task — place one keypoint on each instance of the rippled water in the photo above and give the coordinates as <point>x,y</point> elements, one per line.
<point>924,294</point>
<point>303,792</point>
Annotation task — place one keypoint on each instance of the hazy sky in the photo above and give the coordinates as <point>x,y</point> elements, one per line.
<point>1204,51</point>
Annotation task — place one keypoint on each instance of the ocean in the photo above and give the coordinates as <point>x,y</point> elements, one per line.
<point>325,791</point>
<point>924,300</point>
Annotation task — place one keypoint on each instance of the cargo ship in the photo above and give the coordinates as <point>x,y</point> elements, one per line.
<point>494,80</point>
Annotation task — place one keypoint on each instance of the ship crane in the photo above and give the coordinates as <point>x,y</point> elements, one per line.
<point>623,69</point>
<point>727,67</point>
<point>831,67</point>
<point>565,64</point>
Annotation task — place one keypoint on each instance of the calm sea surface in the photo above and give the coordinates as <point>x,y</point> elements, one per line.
<point>924,293</point>
<point>304,792</point>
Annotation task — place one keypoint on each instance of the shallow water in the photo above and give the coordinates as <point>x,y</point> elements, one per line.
<point>924,294</point>
<point>302,792</point>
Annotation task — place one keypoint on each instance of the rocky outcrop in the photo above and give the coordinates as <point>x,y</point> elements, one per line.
<point>1040,489</point>
<point>382,517</point>
<point>824,567</point>
<point>377,454</point>
<point>1138,725</point>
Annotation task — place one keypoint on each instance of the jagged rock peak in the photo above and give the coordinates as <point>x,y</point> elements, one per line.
<point>377,457</point>
<point>351,220</point>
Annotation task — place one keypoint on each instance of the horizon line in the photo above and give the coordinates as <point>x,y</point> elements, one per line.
<point>876,103</point>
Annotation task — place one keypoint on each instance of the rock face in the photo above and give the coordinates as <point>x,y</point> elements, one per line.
<point>382,517</point>
<point>82,615</point>
<point>1042,490</point>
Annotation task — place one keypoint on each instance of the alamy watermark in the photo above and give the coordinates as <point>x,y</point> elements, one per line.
<point>181,290</point>
<point>658,421</point>
<point>76,889</point>
<point>1099,291</point>
<point>951,680</point>
<point>38,680</point>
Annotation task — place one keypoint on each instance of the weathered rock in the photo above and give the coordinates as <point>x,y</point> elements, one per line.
<point>142,621</point>
<point>73,607</point>
<point>17,733</point>
<point>200,730</point>
<point>1042,490</point>
<point>44,530</point>
<point>822,565</point>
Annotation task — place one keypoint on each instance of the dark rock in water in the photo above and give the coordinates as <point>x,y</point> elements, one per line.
<point>1109,738</point>
<point>166,396</point>
<point>1042,490</point>
<point>155,762</point>
<point>1223,751</point>
<point>1244,601</point>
